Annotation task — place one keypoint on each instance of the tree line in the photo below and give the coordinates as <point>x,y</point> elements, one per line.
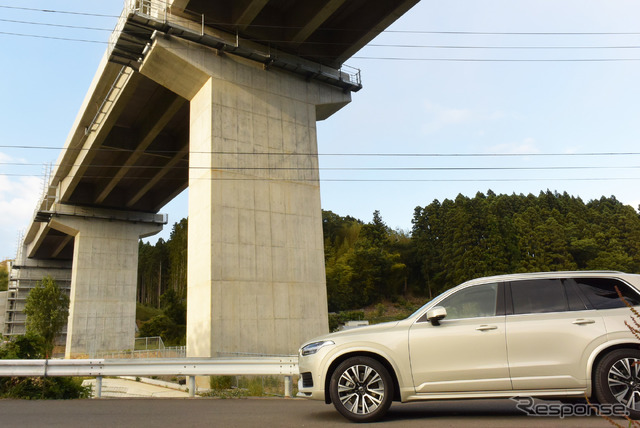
<point>450,242</point>
<point>163,267</point>
<point>490,234</point>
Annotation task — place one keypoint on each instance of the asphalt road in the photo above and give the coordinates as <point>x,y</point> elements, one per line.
<point>267,412</point>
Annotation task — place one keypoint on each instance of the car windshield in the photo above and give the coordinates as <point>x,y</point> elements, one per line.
<point>422,307</point>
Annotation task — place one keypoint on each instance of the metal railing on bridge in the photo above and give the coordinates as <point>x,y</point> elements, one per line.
<point>141,19</point>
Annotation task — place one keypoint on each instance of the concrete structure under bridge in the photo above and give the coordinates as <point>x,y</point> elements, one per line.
<point>222,97</point>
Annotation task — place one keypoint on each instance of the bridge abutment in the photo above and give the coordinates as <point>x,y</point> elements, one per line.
<point>256,280</point>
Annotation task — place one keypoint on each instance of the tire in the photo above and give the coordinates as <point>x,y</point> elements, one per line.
<point>361,389</point>
<point>617,380</point>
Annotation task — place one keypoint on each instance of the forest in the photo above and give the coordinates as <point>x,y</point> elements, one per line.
<point>450,242</point>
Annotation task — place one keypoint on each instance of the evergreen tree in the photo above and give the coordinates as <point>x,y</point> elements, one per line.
<point>47,310</point>
<point>4,277</point>
<point>171,325</point>
<point>464,238</point>
<point>177,258</point>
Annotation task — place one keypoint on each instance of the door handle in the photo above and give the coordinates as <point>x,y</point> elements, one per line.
<point>486,327</point>
<point>583,321</point>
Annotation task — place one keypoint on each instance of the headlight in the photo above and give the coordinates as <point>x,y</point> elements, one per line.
<point>313,347</point>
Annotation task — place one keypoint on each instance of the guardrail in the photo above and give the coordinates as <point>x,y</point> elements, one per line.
<point>191,367</point>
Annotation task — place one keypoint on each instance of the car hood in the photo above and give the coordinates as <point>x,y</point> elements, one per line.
<point>357,331</point>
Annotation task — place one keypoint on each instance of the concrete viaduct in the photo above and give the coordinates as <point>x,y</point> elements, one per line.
<point>223,97</point>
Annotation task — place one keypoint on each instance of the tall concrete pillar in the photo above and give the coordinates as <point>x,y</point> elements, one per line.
<point>256,281</point>
<point>102,311</point>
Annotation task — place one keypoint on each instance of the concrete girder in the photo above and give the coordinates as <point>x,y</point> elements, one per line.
<point>40,234</point>
<point>177,5</point>
<point>47,243</point>
<point>87,151</point>
<point>98,90</point>
<point>61,246</point>
<point>243,14</point>
<point>154,125</point>
<point>317,18</point>
<point>177,158</point>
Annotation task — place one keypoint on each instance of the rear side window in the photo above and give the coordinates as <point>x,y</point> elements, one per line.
<point>601,292</point>
<point>538,296</point>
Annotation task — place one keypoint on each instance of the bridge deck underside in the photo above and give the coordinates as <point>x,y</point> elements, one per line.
<point>325,31</point>
<point>138,161</point>
<point>142,160</point>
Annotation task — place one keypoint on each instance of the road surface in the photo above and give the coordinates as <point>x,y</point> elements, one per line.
<point>266,412</point>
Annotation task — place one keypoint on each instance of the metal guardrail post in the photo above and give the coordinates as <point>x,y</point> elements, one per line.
<point>288,381</point>
<point>192,386</point>
<point>98,387</point>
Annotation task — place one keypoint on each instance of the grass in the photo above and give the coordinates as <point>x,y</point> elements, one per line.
<point>247,386</point>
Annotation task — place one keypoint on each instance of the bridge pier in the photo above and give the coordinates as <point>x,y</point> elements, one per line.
<point>256,280</point>
<point>102,310</point>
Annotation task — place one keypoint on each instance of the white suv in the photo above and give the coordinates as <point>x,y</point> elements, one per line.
<point>552,335</point>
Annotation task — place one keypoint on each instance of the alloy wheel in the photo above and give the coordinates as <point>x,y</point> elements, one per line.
<point>624,382</point>
<point>361,389</point>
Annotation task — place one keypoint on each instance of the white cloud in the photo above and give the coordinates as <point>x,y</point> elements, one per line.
<point>18,199</point>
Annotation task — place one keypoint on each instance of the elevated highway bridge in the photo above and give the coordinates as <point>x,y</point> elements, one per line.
<point>221,97</point>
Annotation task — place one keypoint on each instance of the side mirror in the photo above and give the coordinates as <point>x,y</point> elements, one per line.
<point>435,314</point>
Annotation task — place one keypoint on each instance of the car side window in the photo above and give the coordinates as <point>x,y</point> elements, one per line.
<point>538,296</point>
<point>601,292</point>
<point>472,302</point>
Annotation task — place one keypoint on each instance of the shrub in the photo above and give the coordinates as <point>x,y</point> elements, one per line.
<point>220,382</point>
<point>56,388</point>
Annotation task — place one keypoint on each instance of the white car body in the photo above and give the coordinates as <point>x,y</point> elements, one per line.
<point>548,354</point>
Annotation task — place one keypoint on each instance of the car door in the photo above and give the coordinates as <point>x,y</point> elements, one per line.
<point>610,296</point>
<point>466,351</point>
<point>550,334</point>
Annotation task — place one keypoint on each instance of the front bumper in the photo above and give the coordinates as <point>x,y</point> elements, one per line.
<point>311,381</point>
<point>310,393</point>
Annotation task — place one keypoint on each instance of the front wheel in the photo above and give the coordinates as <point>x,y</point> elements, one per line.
<point>617,380</point>
<point>361,389</point>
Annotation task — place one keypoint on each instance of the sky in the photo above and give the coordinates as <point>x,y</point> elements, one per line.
<point>459,97</point>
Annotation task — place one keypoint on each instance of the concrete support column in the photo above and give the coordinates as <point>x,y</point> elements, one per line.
<point>103,283</point>
<point>256,261</point>
<point>256,280</point>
